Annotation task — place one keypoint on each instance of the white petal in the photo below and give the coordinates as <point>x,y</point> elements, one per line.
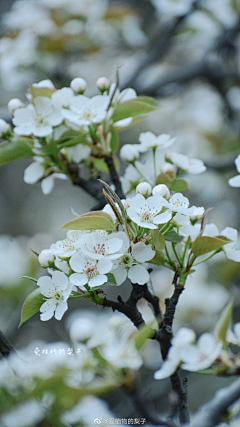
<point>162,218</point>
<point>60,279</point>
<point>138,274</point>
<point>233,255</point>
<point>60,310</point>
<point>142,252</point>
<point>235,181</point>
<point>168,368</point>
<point>48,304</point>
<point>47,185</point>
<point>77,262</point>
<point>237,163</point>
<point>120,275</point>
<point>104,265</point>
<point>33,173</point>
<point>48,314</point>
<point>78,280</point>
<point>97,281</point>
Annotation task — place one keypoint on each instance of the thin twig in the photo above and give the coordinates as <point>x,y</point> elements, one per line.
<point>114,177</point>
<point>5,346</point>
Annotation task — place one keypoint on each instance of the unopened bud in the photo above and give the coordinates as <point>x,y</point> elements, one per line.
<point>161,190</point>
<point>129,153</point>
<point>144,188</point>
<point>45,258</point>
<point>14,104</point>
<point>103,84</point>
<point>81,330</point>
<point>78,85</point>
<point>168,167</point>
<point>4,128</point>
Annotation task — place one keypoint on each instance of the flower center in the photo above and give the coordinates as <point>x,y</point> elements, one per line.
<point>126,260</point>
<point>68,245</point>
<point>146,214</point>
<point>90,270</point>
<point>99,249</point>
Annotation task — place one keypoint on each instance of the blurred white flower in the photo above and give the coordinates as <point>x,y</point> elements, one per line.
<point>24,414</point>
<point>14,103</point>
<point>84,111</point>
<point>234,336</point>
<point>4,127</point>
<point>129,153</point>
<point>235,181</point>
<point>78,85</point>
<point>150,141</point>
<point>202,355</point>
<point>192,166</point>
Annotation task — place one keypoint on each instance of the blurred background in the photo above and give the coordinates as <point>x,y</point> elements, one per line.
<point>184,53</point>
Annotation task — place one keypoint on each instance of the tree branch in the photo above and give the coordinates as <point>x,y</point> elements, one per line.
<point>5,346</point>
<point>114,177</point>
<point>211,413</point>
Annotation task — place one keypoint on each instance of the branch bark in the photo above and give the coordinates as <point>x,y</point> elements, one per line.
<point>5,346</point>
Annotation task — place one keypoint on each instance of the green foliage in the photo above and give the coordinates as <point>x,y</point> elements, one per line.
<point>96,220</point>
<point>31,305</point>
<point>114,140</point>
<point>144,333</point>
<point>179,185</point>
<point>134,107</point>
<point>158,240</point>
<point>224,322</point>
<point>172,236</point>
<point>204,244</point>
<point>14,150</point>
<point>159,258</point>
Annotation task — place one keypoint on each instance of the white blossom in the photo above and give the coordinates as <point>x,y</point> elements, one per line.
<point>161,190</point>
<point>84,111</point>
<point>129,153</point>
<point>89,271</point>
<point>46,257</point>
<point>69,246</point>
<point>150,141</point>
<point>37,119</point>
<point>103,84</point>
<point>179,203</point>
<point>147,212</point>
<point>235,181</point>
<point>129,265</point>
<point>56,290</point>
<point>78,85</point>
<point>99,246</point>
<point>14,103</point>
<point>202,355</point>
<point>144,188</point>
<point>192,166</point>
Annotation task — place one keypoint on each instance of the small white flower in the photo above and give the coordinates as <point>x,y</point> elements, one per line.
<point>89,271</point>
<point>179,203</point>
<point>150,141</point>
<point>4,127</point>
<point>234,336</point>
<point>167,167</point>
<point>129,265</point>
<point>129,153</point>
<point>84,111</point>
<point>144,188</point>
<point>230,248</point>
<point>103,84</point>
<point>78,85</point>
<point>202,355</point>
<point>57,290</point>
<point>235,181</point>
<point>146,212</point>
<point>45,258</point>
<point>14,104</point>
<point>192,166</point>
<point>38,119</point>
<point>69,246</point>
<point>99,246</point>
<point>183,337</point>
<point>161,190</point>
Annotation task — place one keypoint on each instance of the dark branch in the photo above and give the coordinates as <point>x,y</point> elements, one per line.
<point>114,177</point>
<point>211,413</point>
<point>5,346</point>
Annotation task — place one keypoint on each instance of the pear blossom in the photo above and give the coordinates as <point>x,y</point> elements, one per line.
<point>99,246</point>
<point>103,84</point>
<point>84,111</point>
<point>69,246</point>
<point>183,337</point>
<point>4,127</point>
<point>234,336</point>
<point>168,167</point>
<point>144,188</point>
<point>78,85</point>
<point>46,257</point>
<point>179,203</point>
<point>146,212</point>
<point>36,172</point>
<point>202,355</point>
<point>14,103</point>
<point>89,271</point>
<point>150,141</point>
<point>161,190</point>
<point>129,153</point>
<point>192,166</point>
<point>129,265</point>
<point>62,97</point>
<point>56,290</point>
<point>37,119</point>
<point>235,181</point>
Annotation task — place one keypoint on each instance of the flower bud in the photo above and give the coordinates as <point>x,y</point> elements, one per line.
<point>14,104</point>
<point>78,85</point>
<point>144,188</point>
<point>45,258</point>
<point>129,153</point>
<point>81,330</point>
<point>161,190</point>
<point>168,167</point>
<point>103,84</point>
<point>4,128</point>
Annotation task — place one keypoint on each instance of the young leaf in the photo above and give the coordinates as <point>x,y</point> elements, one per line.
<point>144,333</point>
<point>224,322</point>
<point>158,240</point>
<point>178,185</point>
<point>114,140</point>
<point>31,305</point>
<point>158,259</point>
<point>41,91</point>
<point>96,220</point>
<point>134,107</point>
<point>172,236</point>
<point>14,150</point>
<point>204,244</point>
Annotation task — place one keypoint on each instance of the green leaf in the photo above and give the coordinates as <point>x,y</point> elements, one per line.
<point>158,259</point>
<point>114,140</point>
<point>100,165</point>
<point>224,322</point>
<point>14,150</point>
<point>172,236</point>
<point>31,305</point>
<point>41,91</point>
<point>158,240</point>
<point>74,141</point>
<point>204,244</point>
<point>111,279</point>
<point>165,178</point>
<point>134,107</point>
<point>179,185</point>
<point>144,333</point>
<point>96,220</point>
